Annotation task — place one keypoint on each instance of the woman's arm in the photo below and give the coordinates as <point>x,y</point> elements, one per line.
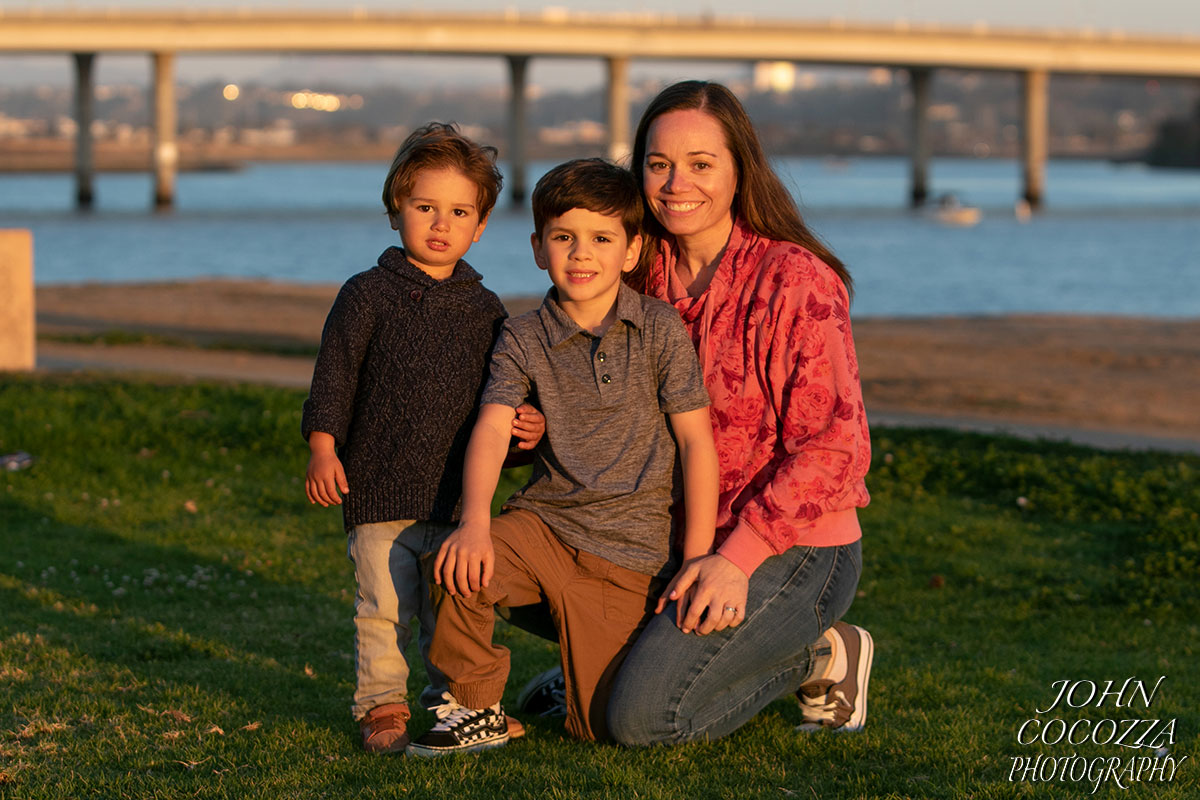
<point>822,446</point>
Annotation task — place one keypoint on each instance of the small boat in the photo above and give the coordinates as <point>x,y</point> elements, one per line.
<point>951,211</point>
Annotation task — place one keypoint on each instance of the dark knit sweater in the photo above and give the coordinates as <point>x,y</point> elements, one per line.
<point>397,382</point>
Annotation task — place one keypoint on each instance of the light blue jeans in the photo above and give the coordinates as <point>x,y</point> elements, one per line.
<point>676,687</point>
<point>391,592</point>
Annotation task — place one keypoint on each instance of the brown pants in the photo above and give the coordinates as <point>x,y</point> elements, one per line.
<point>598,609</point>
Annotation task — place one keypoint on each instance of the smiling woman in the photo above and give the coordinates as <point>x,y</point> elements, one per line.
<point>767,306</point>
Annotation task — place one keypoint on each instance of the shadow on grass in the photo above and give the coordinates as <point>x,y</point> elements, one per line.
<point>162,616</point>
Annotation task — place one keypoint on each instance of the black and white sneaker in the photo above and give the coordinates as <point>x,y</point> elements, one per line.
<point>462,730</point>
<point>545,695</point>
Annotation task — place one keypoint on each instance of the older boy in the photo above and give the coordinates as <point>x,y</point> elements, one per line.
<point>590,533</point>
<point>402,361</point>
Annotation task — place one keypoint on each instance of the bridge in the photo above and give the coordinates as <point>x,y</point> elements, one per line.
<point>617,38</point>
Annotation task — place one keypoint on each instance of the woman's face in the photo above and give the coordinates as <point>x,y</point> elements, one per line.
<point>689,176</point>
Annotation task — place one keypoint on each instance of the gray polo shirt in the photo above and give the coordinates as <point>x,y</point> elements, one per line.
<point>602,473</point>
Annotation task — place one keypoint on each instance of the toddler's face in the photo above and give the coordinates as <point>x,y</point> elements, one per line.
<point>439,220</point>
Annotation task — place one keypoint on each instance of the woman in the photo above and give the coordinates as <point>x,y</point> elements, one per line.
<point>767,308</point>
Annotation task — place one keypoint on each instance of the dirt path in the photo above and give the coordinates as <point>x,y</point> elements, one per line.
<point>1107,374</point>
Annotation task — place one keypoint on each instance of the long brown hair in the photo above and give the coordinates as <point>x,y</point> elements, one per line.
<point>761,201</point>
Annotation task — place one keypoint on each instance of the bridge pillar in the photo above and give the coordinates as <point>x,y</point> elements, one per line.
<point>1035,135</point>
<point>166,151</point>
<point>618,108</point>
<point>84,165</point>
<point>517,112</point>
<point>920,79</point>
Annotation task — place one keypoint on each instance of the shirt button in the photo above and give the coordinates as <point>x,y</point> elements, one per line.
<point>605,379</point>
<point>600,356</point>
<point>415,294</point>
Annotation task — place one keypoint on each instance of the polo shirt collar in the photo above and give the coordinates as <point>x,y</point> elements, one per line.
<point>560,326</point>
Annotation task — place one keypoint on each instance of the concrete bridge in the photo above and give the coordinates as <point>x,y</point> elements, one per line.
<point>617,38</point>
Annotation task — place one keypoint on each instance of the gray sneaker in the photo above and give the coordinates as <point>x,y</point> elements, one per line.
<point>545,695</point>
<point>840,703</point>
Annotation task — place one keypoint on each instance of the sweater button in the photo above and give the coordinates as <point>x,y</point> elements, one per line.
<point>415,294</point>
<point>601,356</point>
<point>605,379</point>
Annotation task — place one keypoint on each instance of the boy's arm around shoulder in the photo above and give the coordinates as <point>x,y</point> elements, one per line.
<point>466,559</point>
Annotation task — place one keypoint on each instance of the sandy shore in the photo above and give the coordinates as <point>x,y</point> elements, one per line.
<point>1113,375</point>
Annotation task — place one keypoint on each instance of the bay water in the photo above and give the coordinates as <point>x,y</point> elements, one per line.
<point>1113,239</point>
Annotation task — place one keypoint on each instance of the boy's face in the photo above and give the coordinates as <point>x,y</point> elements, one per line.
<point>439,220</point>
<point>585,253</point>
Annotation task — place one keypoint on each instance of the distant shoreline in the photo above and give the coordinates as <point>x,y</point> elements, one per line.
<point>58,155</point>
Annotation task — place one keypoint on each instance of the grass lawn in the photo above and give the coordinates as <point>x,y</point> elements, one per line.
<point>175,621</point>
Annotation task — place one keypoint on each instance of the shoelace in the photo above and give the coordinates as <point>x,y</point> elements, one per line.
<point>814,710</point>
<point>387,722</point>
<point>450,715</point>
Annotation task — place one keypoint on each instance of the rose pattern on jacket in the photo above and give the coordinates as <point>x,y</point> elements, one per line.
<point>773,334</point>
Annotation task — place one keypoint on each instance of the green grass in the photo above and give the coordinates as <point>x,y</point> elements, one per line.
<point>175,619</point>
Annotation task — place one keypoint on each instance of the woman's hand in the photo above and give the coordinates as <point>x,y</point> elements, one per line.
<point>704,591</point>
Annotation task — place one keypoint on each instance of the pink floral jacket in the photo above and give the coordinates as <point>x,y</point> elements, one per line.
<point>773,334</point>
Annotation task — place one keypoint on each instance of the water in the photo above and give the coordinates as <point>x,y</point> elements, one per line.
<point>1114,239</point>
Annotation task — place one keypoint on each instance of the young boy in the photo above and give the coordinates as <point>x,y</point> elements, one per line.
<point>402,361</point>
<point>590,533</point>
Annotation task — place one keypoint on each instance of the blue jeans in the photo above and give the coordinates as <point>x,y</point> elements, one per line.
<point>676,687</point>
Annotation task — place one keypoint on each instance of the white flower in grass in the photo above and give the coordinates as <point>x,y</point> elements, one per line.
<point>120,591</point>
<point>1022,502</point>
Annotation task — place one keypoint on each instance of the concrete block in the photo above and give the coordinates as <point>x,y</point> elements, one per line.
<point>17,328</point>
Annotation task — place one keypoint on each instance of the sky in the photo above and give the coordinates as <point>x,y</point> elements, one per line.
<point>1173,17</point>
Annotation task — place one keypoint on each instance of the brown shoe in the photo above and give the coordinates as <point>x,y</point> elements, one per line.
<point>516,729</point>
<point>383,728</point>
